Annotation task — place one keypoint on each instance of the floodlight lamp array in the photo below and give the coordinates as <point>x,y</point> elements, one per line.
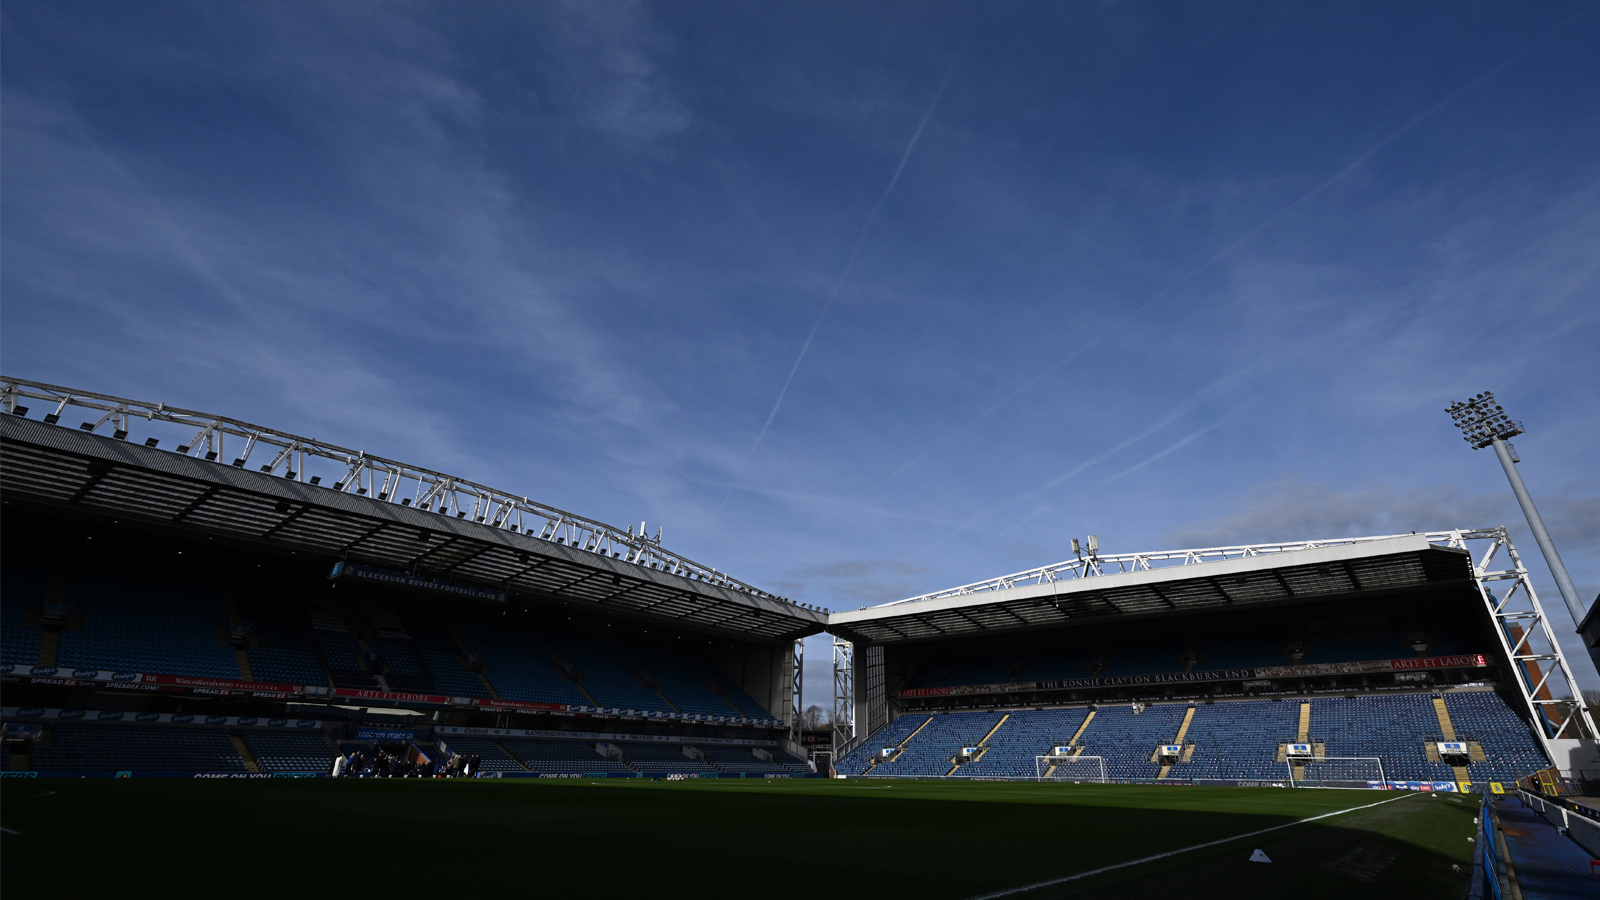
<point>1482,422</point>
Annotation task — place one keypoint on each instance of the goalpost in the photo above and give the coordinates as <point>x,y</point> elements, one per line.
<point>1071,768</point>
<point>1324,769</point>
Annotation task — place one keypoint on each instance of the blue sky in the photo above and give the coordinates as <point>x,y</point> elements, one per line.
<point>1176,275</point>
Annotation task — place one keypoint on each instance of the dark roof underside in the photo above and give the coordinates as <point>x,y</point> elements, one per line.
<point>1364,577</point>
<point>56,466</point>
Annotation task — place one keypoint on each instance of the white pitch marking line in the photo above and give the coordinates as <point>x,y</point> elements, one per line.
<point>10,831</point>
<point>1134,862</point>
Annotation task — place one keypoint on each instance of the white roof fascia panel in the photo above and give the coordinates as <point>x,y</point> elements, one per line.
<point>1263,563</point>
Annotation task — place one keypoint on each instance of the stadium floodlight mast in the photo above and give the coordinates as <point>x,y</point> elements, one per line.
<point>1484,423</point>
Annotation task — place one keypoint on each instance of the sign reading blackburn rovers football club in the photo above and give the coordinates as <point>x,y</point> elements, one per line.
<point>404,579</point>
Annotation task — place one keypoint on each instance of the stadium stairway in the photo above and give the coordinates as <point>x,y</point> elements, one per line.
<point>514,758</point>
<point>464,655</point>
<point>983,745</point>
<point>241,655</point>
<point>1448,729</point>
<point>729,692</point>
<point>645,679</point>
<point>1183,730</point>
<point>1303,735</point>
<point>566,667</point>
<point>1073,741</point>
<point>50,638</point>
<point>720,691</point>
<point>901,747</point>
<point>49,647</point>
<point>244,753</point>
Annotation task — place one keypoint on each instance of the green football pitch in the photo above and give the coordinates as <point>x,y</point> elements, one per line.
<point>724,838</point>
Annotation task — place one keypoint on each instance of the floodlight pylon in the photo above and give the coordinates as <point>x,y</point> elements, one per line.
<point>1483,423</point>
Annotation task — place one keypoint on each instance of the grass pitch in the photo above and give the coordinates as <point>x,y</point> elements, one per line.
<point>720,838</point>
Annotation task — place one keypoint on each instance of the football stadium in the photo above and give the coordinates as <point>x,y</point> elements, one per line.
<point>218,635</point>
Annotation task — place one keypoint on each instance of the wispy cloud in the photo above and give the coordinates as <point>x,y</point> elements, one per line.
<point>1182,442</point>
<point>1123,322</point>
<point>850,260</point>
<point>556,248</point>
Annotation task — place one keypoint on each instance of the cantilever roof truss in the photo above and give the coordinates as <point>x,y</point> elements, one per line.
<point>58,466</point>
<point>1401,563</point>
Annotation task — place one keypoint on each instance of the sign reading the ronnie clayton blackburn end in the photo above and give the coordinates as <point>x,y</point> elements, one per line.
<point>422,582</point>
<point>1120,680</point>
<point>1475,660</point>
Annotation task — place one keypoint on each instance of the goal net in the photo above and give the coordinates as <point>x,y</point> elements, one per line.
<point>1071,768</point>
<point>1338,770</point>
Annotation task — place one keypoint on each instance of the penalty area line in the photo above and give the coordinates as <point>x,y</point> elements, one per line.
<point>1134,862</point>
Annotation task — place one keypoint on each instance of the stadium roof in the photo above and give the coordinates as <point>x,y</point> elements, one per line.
<point>65,467</point>
<point>1150,584</point>
<point>381,511</point>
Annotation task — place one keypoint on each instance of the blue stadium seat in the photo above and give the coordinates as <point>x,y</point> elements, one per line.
<point>493,757</point>
<point>147,621</point>
<point>137,748</point>
<point>519,667</point>
<point>661,758</point>
<point>27,583</point>
<point>1510,748</point>
<point>289,751</point>
<point>562,756</point>
<point>286,653</point>
<point>1232,740</point>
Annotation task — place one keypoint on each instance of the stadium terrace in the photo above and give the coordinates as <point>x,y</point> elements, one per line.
<point>197,595</point>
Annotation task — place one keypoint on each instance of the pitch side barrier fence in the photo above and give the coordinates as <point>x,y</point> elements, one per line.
<point>1439,787</point>
<point>1581,823</point>
<point>663,776</point>
<point>127,773</point>
<point>1160,782</point>
<point>656,776</point>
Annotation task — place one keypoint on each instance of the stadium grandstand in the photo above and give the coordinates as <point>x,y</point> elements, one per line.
<point>1366,662</point>
<point>188,593</point>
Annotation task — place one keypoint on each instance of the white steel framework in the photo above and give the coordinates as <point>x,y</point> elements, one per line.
<point>844,694</point>
<point>1534,661</point>
<point>1091,566</point>
<point>356,472</point>
<point>1531,649</point>
<point>797,680</point>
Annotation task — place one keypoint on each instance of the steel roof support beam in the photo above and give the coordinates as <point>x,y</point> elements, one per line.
<point>844,695</point>
<point>1138,562</point>
<point>1519,611</point>
<point>499,509</point>
<point>197,502</point>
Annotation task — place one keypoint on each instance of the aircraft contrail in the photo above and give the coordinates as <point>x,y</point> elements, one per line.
<point>850,261</point>
<point>1168,418</point>
<point>1228,250</point>
<point>1178,445</point>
